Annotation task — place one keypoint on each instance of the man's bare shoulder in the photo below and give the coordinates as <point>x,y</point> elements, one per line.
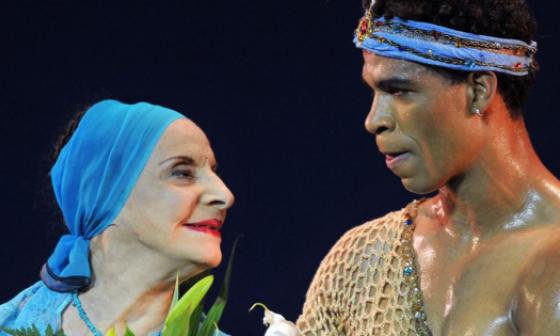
<point>538,303</point>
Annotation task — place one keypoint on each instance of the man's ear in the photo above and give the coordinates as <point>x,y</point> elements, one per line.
<point>483,86</point>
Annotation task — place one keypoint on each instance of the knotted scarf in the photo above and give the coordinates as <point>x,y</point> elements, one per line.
<point>93,177</point>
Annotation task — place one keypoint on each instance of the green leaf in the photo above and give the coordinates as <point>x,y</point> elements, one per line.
<point>175,292</point>
<point>211,321</point>
<point>10,331</point>
<point>128,332</point>
<point>111,332</point>
<point>30,331</point>
<point>51,332</point>
<point>175,296</point>
<point>214,315</point>
<point>194,323</point>
<point>177,323</point>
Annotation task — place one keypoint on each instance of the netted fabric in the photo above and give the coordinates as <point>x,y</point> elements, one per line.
<point>367,285</point>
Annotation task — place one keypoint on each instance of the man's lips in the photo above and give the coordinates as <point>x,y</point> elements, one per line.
<point>392,160</point>
<point>210,226</point>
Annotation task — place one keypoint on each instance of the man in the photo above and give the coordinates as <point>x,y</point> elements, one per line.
<point>481,256</point>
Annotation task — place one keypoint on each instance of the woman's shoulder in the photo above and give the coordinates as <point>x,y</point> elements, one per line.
<point>35,306</point>
<point>10,310</point>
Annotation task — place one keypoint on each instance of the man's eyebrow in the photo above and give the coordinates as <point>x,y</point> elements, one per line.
<point>389,82</point>
<point>394,81</point>
<point>184,159</point>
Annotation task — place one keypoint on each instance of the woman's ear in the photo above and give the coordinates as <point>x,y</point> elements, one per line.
<point>483,86</point>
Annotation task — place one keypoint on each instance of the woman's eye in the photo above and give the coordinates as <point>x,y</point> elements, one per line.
<point>182,173</point>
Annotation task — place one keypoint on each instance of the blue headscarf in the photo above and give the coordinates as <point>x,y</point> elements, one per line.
<point>93,177</point>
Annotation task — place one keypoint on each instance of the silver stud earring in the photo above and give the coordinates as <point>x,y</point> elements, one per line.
<point>477,111</point>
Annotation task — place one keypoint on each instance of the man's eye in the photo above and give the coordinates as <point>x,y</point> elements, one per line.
<point>397,91</point>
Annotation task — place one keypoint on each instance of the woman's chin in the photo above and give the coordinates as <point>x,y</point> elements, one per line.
<point>195,248</point>
<point>212,261</point>
<point>191,266</point>
<point>208,258</point>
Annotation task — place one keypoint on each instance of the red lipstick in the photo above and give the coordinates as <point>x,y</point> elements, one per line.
<point>209,226</point>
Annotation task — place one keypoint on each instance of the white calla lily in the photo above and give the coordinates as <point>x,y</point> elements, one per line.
<point>276,323</point>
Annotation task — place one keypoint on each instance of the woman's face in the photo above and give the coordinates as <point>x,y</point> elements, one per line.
<point>179,203</point>
<point>422,123</point>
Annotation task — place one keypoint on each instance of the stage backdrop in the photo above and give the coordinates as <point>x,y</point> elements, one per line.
<point>275,85</point>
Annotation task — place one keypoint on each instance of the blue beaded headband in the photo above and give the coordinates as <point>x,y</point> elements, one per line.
<point>443,47</point>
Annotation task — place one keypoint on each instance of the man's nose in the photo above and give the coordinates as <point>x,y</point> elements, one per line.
<point>379,118</point>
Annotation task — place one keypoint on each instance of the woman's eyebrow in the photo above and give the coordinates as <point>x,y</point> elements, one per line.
<point>185,159</point>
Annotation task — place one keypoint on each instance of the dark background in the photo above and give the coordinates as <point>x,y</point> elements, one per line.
<point>275,85</point>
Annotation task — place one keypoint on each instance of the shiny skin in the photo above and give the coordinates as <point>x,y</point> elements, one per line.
<point>489,285</point>
<point>488,242</point>
<point>426,117</point>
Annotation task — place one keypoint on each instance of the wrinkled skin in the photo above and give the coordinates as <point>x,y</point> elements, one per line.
<point>135,261</point>
<point>488,242</point>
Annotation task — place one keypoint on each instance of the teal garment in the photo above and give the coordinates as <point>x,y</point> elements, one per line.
<point>39,306</point>
<point>36,305</point>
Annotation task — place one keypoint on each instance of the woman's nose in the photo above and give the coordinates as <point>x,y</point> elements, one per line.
<point>218,194</point>
<point>379,119</point>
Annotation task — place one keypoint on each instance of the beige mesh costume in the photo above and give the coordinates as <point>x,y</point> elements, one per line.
<point>367,284</point>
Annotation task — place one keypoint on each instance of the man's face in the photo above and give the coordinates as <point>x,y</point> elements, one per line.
<point>421,121</point>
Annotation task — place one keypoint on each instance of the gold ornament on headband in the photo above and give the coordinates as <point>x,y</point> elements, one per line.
<point>365,27</point>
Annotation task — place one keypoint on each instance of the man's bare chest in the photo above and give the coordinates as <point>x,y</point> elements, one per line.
<point>473,293</point>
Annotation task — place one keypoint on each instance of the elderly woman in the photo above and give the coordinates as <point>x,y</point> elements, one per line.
<point>138,191</point>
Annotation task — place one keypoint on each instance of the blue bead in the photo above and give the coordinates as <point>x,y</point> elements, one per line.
<point>408,271</point>
<point>408,222</point>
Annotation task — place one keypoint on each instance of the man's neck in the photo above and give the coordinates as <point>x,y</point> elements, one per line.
<point>507,188</point>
